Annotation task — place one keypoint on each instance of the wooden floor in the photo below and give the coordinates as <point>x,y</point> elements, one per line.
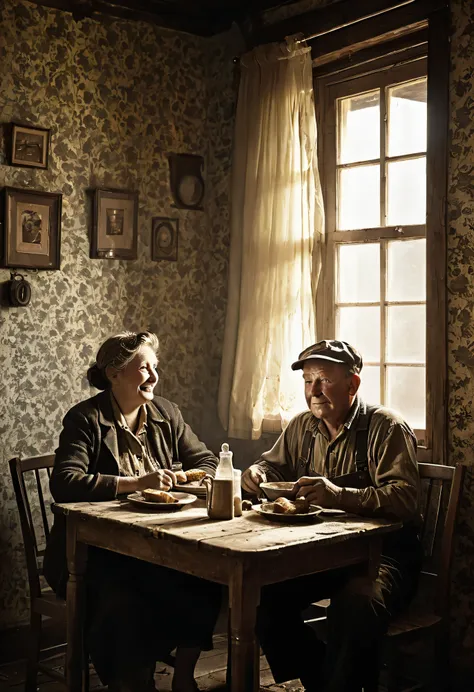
<point>210,674</point>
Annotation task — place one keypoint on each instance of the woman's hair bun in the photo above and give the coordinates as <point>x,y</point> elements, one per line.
<point>97,378</point>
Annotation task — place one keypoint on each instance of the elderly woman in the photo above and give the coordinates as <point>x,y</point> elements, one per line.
<point>122,440</point>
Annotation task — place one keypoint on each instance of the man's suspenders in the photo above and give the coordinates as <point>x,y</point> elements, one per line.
<point>362,435</point>
<point>304,460</point>
<point>360,478</point>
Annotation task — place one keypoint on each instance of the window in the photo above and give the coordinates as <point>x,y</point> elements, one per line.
<point>376,67</point>
<point>374,283</point>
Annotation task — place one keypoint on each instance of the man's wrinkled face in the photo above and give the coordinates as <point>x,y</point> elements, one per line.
<point>329,389</point>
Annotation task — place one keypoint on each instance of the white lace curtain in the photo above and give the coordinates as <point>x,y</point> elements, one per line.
<point>277,223</point>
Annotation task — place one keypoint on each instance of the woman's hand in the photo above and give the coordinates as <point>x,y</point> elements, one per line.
<point>252,477</point>
<point>163,479</point>
<point>159,480</point>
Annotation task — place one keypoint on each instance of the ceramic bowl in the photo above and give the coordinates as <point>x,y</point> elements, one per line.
<point>276,489</point>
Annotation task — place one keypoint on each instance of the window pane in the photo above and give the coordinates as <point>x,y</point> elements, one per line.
<point>406,393</point>
<point>361,328</point>
<point>406,183</point>
<point>406,270</point>
<point>359,198</point>
<point>406,334</point>
<point>359,273</point>
<point>370,384</point>
<point>359,127</point>
<point>407,118</point>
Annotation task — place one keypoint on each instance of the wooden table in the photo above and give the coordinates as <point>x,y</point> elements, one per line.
<point>245,554</point>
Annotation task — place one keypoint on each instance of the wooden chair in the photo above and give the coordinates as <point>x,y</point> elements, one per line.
<point>43,602</point>
<point>428,616</point>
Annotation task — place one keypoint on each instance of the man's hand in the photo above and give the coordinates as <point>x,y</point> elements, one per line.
<point>319,491</point>
<point>251,479</point>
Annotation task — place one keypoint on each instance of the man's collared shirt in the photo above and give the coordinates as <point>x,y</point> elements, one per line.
<point>391,453</point>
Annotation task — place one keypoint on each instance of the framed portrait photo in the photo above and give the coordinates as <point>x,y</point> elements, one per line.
<point>164,239</point>
<point>29,146</point>
<point>32,229</point>
<point>114,231</point>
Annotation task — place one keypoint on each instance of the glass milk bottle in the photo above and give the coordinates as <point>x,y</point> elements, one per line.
<point>220,490</point>
<point>225,470</point>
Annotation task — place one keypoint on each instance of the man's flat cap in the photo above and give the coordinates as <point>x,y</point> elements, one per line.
<point>334,351</point>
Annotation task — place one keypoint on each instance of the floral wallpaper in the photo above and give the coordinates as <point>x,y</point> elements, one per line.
<point>117,96</point>
<point>460,317</point>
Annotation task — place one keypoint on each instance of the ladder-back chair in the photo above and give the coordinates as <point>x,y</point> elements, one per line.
<point>427,617</point>
<point>43,602</point>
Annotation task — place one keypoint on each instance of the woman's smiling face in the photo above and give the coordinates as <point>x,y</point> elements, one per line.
<point>134,385</point>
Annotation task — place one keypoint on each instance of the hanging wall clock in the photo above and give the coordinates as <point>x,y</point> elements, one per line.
<point>186,181</point>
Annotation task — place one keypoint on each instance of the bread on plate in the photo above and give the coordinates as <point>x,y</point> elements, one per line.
<point>181,477</point>
<point>152,495</point>
<point>194,475</point>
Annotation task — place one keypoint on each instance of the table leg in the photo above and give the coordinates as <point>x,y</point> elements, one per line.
<point>76,671</point>
<point>375,550</point>
<point>244,596</point>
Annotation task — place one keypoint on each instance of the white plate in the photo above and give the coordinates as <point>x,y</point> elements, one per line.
<point>199,490</point>
<point>183,499</point>
<point>266,510</point>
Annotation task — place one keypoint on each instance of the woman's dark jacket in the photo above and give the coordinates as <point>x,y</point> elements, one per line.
<point>86,467</point>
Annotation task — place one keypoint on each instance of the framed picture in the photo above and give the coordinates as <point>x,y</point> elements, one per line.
<point>164,239</point>
<point>32,229</point>
<point>30,146</point>
<point>114,232</point>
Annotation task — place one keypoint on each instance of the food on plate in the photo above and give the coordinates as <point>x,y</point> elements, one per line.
<point>194,475</point>
<point>284,506</point>
<point>180,477</point>
<point>152,495</point>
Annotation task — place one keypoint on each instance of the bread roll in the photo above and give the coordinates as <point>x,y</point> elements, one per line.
<point>194,475</point>
<point>152,495</point>
<point>180,477</point>
<point>284,506</point>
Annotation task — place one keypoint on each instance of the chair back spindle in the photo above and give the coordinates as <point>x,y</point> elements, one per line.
<point>26,502</point>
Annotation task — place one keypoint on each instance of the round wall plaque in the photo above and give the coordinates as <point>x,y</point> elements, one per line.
<point>186,181</point>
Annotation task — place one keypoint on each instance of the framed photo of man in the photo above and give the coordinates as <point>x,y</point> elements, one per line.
<point>164,239</point>
<point>29,146</point>
<point>114,231</point>
<point>32,229</point>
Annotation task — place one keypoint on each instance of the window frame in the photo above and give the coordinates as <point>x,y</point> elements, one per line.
<point>435,33</point>
<point>378,79</point>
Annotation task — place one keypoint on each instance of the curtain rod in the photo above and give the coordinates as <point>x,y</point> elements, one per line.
<point>355,21</point>
<point>310,37</point>
<point>304,38</point>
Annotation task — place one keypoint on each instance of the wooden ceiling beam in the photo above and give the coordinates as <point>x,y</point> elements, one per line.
<point>369,32</point>
<point>409,44</point>
<point>345,14</point>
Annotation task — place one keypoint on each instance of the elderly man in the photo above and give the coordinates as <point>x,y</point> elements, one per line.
<point>360,459</point>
